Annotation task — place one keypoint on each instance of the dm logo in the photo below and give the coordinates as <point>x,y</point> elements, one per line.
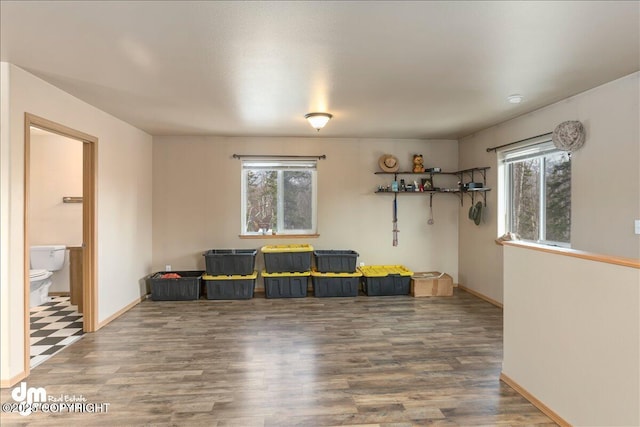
<point>29,396</point>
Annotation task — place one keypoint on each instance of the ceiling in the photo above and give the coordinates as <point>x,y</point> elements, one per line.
<point>383,69</point>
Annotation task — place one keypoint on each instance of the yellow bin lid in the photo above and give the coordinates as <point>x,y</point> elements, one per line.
<point>286,274</point>
<point>318,274</point>
<point>287,248</point>
<point>233,277</point>
<point>384,270</point>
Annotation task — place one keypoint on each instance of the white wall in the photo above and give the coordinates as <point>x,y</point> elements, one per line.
<point>123,202</point>
<point>605,179</point>
<point>572,335</point>
<point>196,200</point>
<point>7,315</point>
<point>55,172</point>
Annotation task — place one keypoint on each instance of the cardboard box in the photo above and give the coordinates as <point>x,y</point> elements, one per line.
<point>431,283</point>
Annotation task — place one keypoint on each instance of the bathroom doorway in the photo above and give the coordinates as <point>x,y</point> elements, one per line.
<point>65,306</point>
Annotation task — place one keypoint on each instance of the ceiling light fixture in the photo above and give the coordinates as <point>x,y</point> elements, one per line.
<point>318,120</point>
<point>515,99</point>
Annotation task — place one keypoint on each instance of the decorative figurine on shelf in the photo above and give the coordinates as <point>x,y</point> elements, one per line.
<point>418,163</point>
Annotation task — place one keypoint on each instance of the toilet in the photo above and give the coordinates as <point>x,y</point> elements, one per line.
<point>44,260</point>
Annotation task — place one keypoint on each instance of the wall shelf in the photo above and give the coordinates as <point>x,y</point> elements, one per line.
<point>464,176</point>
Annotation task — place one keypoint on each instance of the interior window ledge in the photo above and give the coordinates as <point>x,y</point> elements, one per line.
<point>627,262</point>
<point>278,236</point>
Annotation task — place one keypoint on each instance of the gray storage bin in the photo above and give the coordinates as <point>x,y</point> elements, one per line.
<point>230,261</point>
<point>230,287</point>
<point>187,287</point>
<point>335,261</point>
<point>285,285</point>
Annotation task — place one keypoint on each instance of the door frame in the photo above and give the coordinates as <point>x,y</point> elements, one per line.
<point>89,221</point>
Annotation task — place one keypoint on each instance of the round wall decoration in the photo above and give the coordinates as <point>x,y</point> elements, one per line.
<point>568,136</point>
<point>388,163</point>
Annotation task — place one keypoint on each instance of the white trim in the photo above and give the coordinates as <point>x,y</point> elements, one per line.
<point>537,148</point>
<point>280,166</point>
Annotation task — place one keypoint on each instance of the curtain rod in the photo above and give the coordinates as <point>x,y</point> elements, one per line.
<point>268,156</point>
<point>517,142</point>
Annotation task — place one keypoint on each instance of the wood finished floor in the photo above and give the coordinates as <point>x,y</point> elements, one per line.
<point>373,361</point>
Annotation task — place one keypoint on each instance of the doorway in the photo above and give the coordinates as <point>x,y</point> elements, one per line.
<point>82,254</point>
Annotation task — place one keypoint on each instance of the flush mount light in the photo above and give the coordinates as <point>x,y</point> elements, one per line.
<point>318,120</point>
<point>515,99</point>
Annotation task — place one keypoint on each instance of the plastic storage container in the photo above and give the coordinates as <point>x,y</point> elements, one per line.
<point>335,284</point>
<point>230,261</point>
<point>336,261</point>
<point>230,287</point>
<point>386,279</point>
<point>285,285</point>
<point>187,287</point>
<point>287,258</point>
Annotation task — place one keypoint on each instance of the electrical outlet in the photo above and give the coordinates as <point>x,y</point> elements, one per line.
<point>362,264</point>
<point>637,226</point>
<point>167,267</point>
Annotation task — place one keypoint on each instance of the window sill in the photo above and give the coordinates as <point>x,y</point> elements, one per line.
<point>626,262</point>
<point>279,236</point>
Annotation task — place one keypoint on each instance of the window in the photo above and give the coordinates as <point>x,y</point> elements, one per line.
<point>278,196</point>
<point>537,184</point>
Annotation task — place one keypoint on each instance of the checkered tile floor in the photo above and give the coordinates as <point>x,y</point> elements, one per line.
<point>54,325</point>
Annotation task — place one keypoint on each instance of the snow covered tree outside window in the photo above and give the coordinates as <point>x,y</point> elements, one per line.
<point>279,196</point>
<point>539,194</point>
